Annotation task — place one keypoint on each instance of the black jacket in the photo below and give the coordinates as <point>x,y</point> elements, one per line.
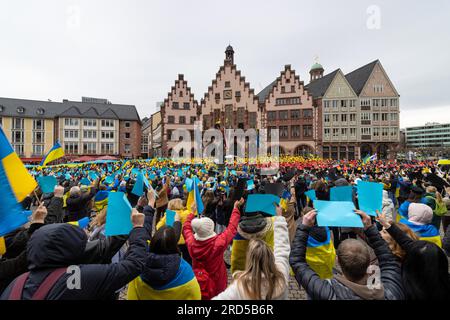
<point>160,269</point>
<point>332,289</point>
<point>446,242</point>
<point>77,205</point>
<point>16,262</point>
<point>62,245</point>
<point>55,213</point>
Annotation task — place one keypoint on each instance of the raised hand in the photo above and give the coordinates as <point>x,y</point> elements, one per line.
<point>137,218</point>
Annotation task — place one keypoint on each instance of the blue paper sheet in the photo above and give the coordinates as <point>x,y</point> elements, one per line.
<point>118,215</point>
<point>108,180</point>
<point>370,197</point>
<point>311,194</point>
<point>138,188</point>
<point>250,185</point>
<point>85,182</point>
<point>47,183</point>
<point>262,202</point>
<point>344,193</point>
<point>337,214</point>
<point>93,175</point>
<point>170,217</point>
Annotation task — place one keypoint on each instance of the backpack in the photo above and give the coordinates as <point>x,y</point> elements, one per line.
<point>440,208</point>
<point>207,286</point>
<point>43,289</point>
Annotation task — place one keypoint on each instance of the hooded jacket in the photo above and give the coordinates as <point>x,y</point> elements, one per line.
<point>62,245</point>
<point>281,255</point>
<point>207,256</point>
<point>77,207</point>
<point>165,277</point>
<point>339,288</point>
<point>250,227</point>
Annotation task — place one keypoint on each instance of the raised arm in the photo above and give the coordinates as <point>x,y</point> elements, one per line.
<point>282,247</point>
<point>316,288</point>
<point>389,265</point>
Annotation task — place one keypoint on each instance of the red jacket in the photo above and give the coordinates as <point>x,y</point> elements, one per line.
<point>207,256</point>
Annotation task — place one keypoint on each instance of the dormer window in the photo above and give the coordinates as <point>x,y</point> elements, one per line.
<point>40,111</point>
<point>20,110</point>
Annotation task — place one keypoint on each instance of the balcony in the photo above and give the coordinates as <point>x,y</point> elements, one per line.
<point>365,108</point>
<point>365,122</point>
<point>366,137</point>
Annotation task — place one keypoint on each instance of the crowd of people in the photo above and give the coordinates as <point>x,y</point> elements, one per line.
<point>402,254</point>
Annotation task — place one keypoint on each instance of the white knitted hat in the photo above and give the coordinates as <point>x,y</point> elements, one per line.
<point>203,228</point>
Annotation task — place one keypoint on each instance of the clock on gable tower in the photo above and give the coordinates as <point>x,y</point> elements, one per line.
<point>227,94</point>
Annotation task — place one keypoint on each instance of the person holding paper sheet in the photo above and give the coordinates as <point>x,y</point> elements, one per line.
<point>266,274</point>
<point>77,202</point>
<point>61,245</point>
<point>425,273</point>
<point>354,259</point>
<point>207,248</point>
<point>166,275</point>
<point>177,206</point>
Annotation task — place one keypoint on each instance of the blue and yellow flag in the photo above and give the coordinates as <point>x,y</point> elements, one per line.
<point>15,184</point>
<point>194,195</point>
<point>55,152</point>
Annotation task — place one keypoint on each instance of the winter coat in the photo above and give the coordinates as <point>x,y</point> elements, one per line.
<point>77,205</point>
<point>165,277</point>
<point>207,256</point>
<point>281,254</point>
<point>250,227</point>
<point>16,264</point>
<point>62,245</point>
<point>339,288</point>
<point>55,213</point>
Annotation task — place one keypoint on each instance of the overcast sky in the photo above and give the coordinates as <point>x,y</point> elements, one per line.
<point>132,51</point>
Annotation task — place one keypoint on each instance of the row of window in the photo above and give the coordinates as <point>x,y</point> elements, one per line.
<point>286,132</point>
<point>181,119</point>
<point>91,134</point>
<point>284,114</point>
<point>365,116</point>
<point>176,105</point>
<point>90,148</point>
<point>335,104</point>
<point>365,131</point>
<point>288,101</point>
<point>92,122</point>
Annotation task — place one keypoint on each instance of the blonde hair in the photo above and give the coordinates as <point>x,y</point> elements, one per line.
<point>260,269</point>
<point>394,246</point>
<point>432,189</point>
<point>175,204</point>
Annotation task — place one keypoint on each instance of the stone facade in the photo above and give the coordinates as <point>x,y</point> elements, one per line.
<point>289,108</point>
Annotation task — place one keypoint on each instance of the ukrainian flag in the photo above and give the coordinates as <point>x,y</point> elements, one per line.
<point>194,196</point>
<point>184,286</point>
<point>320,256</point>
<point>239,248</point>
<point>426,232</point>
<point>55,152</point>
<point>15,184</point>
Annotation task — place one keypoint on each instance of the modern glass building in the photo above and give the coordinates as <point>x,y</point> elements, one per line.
<point>431,135</point>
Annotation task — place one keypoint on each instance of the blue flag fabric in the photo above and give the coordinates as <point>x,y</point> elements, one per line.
<point>262,202</point>
<point>118,215</point>
<point>370,197</point>
<point>337,214</point>
<point>85,182</point>
<point>344,193</point>
<point>47,183</point>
